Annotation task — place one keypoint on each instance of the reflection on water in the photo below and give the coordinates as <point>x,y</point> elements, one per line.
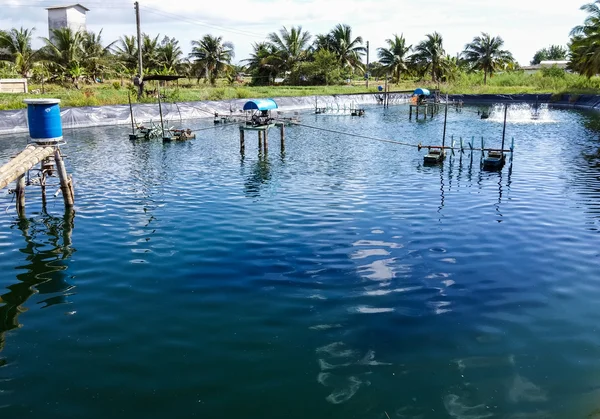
<point>259,176</point>
<point>47,251</point>
<point>342,279</point>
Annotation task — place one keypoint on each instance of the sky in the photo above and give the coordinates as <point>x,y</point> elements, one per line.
<point>525,25</point>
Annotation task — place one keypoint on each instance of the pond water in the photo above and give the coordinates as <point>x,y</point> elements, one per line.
<point>339,278</point>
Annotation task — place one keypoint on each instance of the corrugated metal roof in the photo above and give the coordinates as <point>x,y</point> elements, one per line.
<point>68,7</point>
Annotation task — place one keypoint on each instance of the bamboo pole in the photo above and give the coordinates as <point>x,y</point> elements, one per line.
<point>162,126</point>
<point>20,193</point>
<point>66,189</point>
<point>445,120</point>
<point>504,128</point>
<point>29,150</point>
<point>131,113</point>
<point>22,163</point>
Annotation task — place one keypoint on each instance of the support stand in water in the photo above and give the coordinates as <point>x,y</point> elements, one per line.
<point>45,129</point>
<point>437,154</point>
<point>495,158</point>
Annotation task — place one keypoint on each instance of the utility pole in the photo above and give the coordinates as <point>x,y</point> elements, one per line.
<point>367,73</point>
<point>139,42</point>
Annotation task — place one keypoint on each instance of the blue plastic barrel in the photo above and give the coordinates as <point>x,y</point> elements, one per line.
<point>43,117</point>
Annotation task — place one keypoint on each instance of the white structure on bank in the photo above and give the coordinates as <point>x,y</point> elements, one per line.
<point>72,16</point>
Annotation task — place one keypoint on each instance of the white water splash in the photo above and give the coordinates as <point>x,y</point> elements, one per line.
<point>522,113</point>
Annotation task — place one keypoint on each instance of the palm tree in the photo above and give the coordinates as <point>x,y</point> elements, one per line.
<point>17,43</point>
<point>485,53</point>
<point>585,42</point>
<point>322,42</point>
<point>96,57</point>
<point>347,50</point>
<point>291,45</point>
<point>429,54</point>
<point>212,55</point>
<point>394,58</point>
<point>264,63</point>
<point>65,50</point>
<point>127,52</point>
<point>150,53</point>
<point>169,55</point>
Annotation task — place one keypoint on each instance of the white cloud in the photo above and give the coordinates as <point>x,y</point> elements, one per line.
<point>525,25</point>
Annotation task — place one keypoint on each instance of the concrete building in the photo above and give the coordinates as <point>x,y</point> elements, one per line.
<point>72,16</point>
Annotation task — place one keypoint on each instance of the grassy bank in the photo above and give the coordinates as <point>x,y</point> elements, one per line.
<point>112,93</point>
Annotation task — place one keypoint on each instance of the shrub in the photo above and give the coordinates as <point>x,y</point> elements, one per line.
<point>553,71</point>
<point>242,93</point>
<point>116,85</point>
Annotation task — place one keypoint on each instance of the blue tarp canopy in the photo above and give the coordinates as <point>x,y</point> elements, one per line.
<point>420,91</point>
<point>260,105</point>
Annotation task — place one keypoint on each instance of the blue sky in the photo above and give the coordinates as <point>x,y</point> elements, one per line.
<point>525,25</point>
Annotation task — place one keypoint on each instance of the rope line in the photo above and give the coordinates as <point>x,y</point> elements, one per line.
<point>357,135</point>
<point>419,146</point>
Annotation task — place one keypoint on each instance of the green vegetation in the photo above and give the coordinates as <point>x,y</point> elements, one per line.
<point>552,53</point>
<point>81,69</point>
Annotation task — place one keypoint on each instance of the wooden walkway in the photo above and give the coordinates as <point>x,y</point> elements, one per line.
<point>51,160</point>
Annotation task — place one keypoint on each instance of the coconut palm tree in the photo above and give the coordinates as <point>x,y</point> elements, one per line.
<point>17,44</point>
<point>429,53</point>
<point>348,50</point>
<point>211,55</point>
<point>150,48</point>
<point>64,51</point>
<point>127,53</point>
<point>291,45</point>
<point>485,53</point>
<point>96,57</point>
<point>264,63</point>
<point>322,42</point>
<point>585,42</point>
<point>169,55</point>
<point>394,58</point>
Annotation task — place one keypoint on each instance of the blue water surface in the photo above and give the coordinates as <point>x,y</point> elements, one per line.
<point>338,277</point>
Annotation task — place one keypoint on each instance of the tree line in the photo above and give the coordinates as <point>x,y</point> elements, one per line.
<point>291,54</point>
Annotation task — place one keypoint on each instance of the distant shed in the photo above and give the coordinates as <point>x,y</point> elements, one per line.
<point>13,86</point>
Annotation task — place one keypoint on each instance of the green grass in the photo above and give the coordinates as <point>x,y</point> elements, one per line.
<point>111,93</point>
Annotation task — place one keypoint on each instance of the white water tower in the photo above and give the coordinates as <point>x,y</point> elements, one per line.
<point>72,16</point>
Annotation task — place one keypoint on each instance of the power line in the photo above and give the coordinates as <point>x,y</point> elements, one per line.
<point>200,23</point>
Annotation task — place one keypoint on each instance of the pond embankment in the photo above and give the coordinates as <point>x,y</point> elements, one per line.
<point>15,121</point>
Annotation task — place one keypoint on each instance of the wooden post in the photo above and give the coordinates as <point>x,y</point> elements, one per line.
<point>282,132</point>
<point>20,193</point>
<point>410,112</point>
<point>266,139</point>
<point>417,116</point>
<point>242,141</point>
<point>162,126</point>
<point>445,120</point>
<point>131,113</point>
<point>385,97</point>
<point>425,114</point>
<point>43,186</point>
<point>504,128</point>
<point>259,141</point>
<point>66,189</point>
